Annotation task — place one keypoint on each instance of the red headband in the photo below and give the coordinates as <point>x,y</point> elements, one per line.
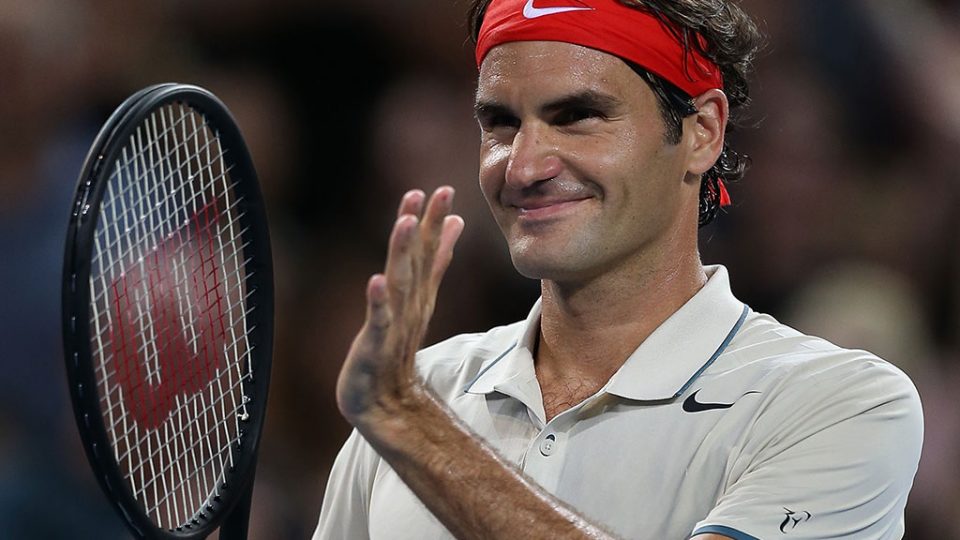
<point>605,25</point>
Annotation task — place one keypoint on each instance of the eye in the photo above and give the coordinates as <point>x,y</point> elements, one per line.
<point>574,115</point>
<point>493,117</point>
<point>498,121</point>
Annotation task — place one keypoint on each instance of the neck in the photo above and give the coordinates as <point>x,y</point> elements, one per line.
<point>588,329</point>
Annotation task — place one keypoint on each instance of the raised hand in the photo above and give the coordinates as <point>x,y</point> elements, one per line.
<point>378,377</point>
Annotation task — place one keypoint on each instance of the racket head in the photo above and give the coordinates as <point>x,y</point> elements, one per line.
<point>168,225</point>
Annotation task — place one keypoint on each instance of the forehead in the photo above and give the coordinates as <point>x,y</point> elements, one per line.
<point>550,68</point>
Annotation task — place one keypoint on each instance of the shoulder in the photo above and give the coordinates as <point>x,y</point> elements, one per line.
<point>448,366</point>
<point>808,384</point>
<point>765,349</point>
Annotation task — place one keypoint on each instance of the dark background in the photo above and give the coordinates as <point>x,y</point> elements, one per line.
<point>844,227</point>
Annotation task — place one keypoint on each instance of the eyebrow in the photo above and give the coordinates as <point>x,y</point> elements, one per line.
<point>587,99</point>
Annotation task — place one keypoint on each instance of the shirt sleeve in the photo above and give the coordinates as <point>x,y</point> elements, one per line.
<point>831,455</point>
<point>346,501</point>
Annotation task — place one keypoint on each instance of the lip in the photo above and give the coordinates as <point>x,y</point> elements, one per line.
<point>533,211</point>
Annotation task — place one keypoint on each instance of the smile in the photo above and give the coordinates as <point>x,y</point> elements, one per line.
<point>534,211</point>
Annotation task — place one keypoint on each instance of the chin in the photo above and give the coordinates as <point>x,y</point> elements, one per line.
<point>555,257</point>
<point>554,267</point>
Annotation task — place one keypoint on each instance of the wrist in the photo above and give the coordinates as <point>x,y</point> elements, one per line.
<point>391,418</point>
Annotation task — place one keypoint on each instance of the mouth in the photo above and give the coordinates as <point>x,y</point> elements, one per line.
<point>543,210</point>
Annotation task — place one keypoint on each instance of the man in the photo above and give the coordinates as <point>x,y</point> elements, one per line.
<point>639,399</point>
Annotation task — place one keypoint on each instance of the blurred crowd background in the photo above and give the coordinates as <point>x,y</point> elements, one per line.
<point>844,227</point>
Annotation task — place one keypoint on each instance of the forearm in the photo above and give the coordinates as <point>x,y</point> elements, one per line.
<point>456,476</point>
<point>462,481</point>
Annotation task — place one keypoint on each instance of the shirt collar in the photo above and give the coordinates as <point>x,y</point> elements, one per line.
<point>515,362</point>
<point>511,372</point>
<point>662,367</point>
<point>681,348</point>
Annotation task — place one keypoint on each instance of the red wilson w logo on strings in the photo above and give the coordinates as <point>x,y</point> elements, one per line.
<point>171,333</point>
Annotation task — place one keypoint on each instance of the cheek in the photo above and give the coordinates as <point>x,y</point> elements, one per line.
<point>619,148</point>
<point>493,166</point>
<point>639,178</point>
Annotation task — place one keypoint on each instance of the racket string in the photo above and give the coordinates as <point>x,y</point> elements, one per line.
<point>231,350</point>
<point>141,170</point>
<point>134,163</point>
<point>174,233</point>
<point>170,312</point>
<point>111,247</point>
<point>130,430</point>
<point>234,346</point>
<point>184,262</point>
<point>196,417</point>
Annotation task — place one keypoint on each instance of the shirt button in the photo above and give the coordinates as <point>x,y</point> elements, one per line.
<point>548,445</point>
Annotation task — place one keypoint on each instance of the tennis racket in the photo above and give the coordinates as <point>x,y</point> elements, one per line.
<point>168,314</point>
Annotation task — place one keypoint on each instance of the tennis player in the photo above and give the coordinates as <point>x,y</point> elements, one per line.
<point>639,398</point>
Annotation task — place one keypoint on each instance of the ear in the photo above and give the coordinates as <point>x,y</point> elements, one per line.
<point>705,130</point>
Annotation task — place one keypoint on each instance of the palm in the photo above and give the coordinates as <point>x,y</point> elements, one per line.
<point>378,373</point>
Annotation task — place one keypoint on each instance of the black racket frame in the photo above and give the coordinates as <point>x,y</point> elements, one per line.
<point>231,508</point>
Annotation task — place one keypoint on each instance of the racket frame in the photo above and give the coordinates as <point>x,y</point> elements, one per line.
<point>76,316</point>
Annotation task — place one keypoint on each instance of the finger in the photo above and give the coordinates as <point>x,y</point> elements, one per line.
<point>438,208</point>
<point>452,228</point>
<point>399,268</point>
<point>378,307</point>
<point>369,345</point>
<point>412,203</point>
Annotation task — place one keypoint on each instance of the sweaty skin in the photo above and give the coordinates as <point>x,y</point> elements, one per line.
<point>592,201</point>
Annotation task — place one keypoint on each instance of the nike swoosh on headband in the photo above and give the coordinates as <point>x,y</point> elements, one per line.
<point>532,12</point>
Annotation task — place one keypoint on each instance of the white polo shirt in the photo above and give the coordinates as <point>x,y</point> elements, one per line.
<point>723,420</point>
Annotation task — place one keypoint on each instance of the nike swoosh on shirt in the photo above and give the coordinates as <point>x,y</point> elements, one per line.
<point>532,12</point>
<point>691,404</point>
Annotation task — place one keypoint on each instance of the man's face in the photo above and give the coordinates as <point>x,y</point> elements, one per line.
<point>574,162</point>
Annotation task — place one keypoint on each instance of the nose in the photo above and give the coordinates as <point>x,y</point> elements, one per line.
<point>533,157</point>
